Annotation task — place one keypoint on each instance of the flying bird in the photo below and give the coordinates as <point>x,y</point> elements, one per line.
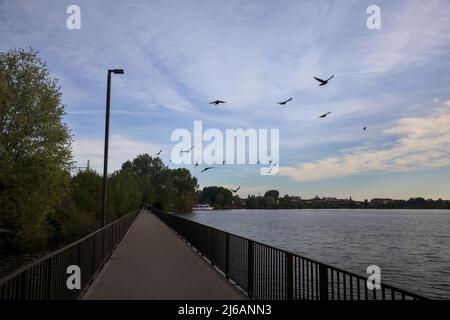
<point>236,189</point>
<point>207,168</point>
<point>284,102</point>
<point>323,82</point>
<point>159,152</point>
<point>217,102</point>
<point>365,128</point>
<point>188,150</point>
<point>324,115</point>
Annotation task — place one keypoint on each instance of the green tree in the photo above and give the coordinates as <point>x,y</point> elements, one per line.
<point>124,194</point>
<point>218,197</point>
<point>185,187</point>
<point>160,186</point>
<point>35,154</point>
<point>272,193</point>
<point>252,202</point>
<point>86,192</point>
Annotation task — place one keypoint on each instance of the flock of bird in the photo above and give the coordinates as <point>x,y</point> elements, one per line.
<point>282,103</point>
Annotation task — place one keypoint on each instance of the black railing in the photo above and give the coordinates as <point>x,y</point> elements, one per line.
<point>45,279</point>
<point>266,273</point>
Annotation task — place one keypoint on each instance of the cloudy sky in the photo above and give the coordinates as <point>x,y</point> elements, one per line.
<point>179,55</point>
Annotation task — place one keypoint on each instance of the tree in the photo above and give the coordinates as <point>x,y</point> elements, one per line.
<point>219,197</point>
<point>124,194</point>
<point>268,202</point>
<point>160,186</point>
<point>185,187</point>
<point>35,154</point>
<point>86,192</point>
<point>272,193</point>
<point>252,202</point>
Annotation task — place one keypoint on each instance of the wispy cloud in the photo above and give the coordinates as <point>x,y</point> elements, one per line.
<point>419,143</point>
<point>121,149</point>
<point>397,45</point>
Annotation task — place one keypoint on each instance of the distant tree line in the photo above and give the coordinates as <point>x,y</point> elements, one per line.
<point>287,202</point>
<point>41,204</point>
<point>220,197</point>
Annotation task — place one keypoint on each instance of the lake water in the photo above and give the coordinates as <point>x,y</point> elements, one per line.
<point>412,247</point>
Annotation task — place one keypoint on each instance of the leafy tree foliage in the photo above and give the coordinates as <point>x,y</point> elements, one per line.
<point>86,192</point>
<point>272,193</point>
<point>164,188</point>
<point>35,154</point>
<point>218,197</point>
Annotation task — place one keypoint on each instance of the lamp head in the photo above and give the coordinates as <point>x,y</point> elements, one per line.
<point>117,71</point>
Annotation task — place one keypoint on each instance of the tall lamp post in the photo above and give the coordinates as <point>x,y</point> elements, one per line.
<point>105,160</point>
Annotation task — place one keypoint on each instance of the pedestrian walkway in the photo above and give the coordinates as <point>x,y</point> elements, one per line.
<point>151,262</point>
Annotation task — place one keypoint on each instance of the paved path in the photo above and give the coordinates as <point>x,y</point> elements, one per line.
<point>151,262</point>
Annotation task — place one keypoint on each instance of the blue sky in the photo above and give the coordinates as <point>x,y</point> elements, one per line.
<point>179,55</point>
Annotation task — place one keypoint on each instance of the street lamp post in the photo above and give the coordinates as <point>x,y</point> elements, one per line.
<point>105,160</point>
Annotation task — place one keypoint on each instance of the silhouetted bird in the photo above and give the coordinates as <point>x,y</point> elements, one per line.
<point>207,168</point>
<point>188,150</point>
<point>324,115</point>
<point>365,128</point>
<point>236,189</point>
<point>159,152</point>
<point>323,82</point>
<point>270,161</point>
<point>284,102</point>
<point>217,102</point>
<point>196,165</point>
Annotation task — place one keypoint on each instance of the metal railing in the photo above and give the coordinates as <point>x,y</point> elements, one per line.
<point>45,279</point>
<point>267,273</point>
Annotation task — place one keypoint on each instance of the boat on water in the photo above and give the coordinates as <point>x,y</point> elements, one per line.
<point>202,207</point>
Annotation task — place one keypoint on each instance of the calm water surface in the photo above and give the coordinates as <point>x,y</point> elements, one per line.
<point>412,247</point>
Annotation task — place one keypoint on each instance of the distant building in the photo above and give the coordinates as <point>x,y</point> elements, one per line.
<point>295,199</point>
<point>381,201</point>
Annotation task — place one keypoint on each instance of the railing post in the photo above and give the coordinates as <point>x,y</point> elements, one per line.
<point>49,279</point>
<point>103,246</point>
<point>211,232</point>
<point>23,285</point>
<point>250,245</point>
<point>93,254</point>
<point>79,255</point>
<point>289,277</point>
<point>227,255</point>
<point>323,278</point>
